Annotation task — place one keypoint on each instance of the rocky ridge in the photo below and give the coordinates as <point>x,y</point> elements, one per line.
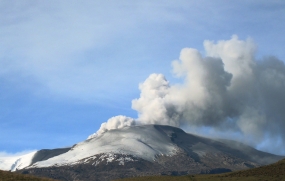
<point>180,154</point>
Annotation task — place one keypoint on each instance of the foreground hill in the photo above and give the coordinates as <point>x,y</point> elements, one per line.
<point>276,170</point>
<point>9,176</point>
<point>144,151</point>
<point>273,172</point>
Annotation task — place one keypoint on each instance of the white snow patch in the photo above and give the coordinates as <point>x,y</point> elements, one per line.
<point>122,160</point>
<point>13,163</point>
<point>110,158</point>
<point>140,141</point>
<point>90,158</point>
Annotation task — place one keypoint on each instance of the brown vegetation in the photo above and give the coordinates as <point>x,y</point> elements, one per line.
<point>11,176</point>
<point>273,172</point>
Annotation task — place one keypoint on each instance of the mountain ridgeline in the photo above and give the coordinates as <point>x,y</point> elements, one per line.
<point>144,151</point>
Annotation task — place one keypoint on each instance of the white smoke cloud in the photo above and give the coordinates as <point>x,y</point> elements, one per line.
<point>200,100</point>
<point>226,89</point>
<point>154,104</point>
<point>114,123</point>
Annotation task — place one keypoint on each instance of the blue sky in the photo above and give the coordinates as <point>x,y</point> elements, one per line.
<point>68,66</point>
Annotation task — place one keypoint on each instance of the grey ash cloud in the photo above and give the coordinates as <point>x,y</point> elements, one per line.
<point>225,89</point>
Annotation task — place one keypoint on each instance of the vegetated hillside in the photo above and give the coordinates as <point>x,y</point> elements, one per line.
<point>273,172</point>
<point>11,176</point>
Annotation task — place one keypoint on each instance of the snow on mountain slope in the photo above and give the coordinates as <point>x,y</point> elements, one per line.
<point>14,163</point>
<point>140,141</point>
<point>149,143</point>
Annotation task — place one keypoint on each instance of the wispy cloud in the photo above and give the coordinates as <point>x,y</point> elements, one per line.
<point>65,47</point>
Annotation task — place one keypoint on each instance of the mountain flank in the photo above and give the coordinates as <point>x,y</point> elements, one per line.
<point>273,172</point>
<point>146,150</point>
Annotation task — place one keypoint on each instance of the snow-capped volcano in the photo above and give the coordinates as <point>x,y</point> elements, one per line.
<point>144,142</point>
<point>140,150</point>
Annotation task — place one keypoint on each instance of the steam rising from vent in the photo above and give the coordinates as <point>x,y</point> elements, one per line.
<point>114,123</point>
<point>225,89</point>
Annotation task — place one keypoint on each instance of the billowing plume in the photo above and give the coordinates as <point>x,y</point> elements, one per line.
<point>114,123</point>
<point>227,88</point>
<point>200,100</point>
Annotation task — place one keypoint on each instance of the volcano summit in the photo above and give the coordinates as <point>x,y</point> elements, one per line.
<point>140,150</point>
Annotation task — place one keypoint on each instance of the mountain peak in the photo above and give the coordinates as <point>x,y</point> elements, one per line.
<point>149,149</point>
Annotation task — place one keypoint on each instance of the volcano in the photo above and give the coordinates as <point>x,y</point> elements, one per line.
<point>140,151</point>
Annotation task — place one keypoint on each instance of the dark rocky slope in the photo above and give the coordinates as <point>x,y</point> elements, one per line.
<point>194,155</point>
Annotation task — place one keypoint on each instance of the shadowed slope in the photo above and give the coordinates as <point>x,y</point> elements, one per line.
<point>149,150</point>
<point>273,172</point>
<point>45,154</point>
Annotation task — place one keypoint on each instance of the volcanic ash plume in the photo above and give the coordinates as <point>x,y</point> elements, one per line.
<point>225,89</point>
